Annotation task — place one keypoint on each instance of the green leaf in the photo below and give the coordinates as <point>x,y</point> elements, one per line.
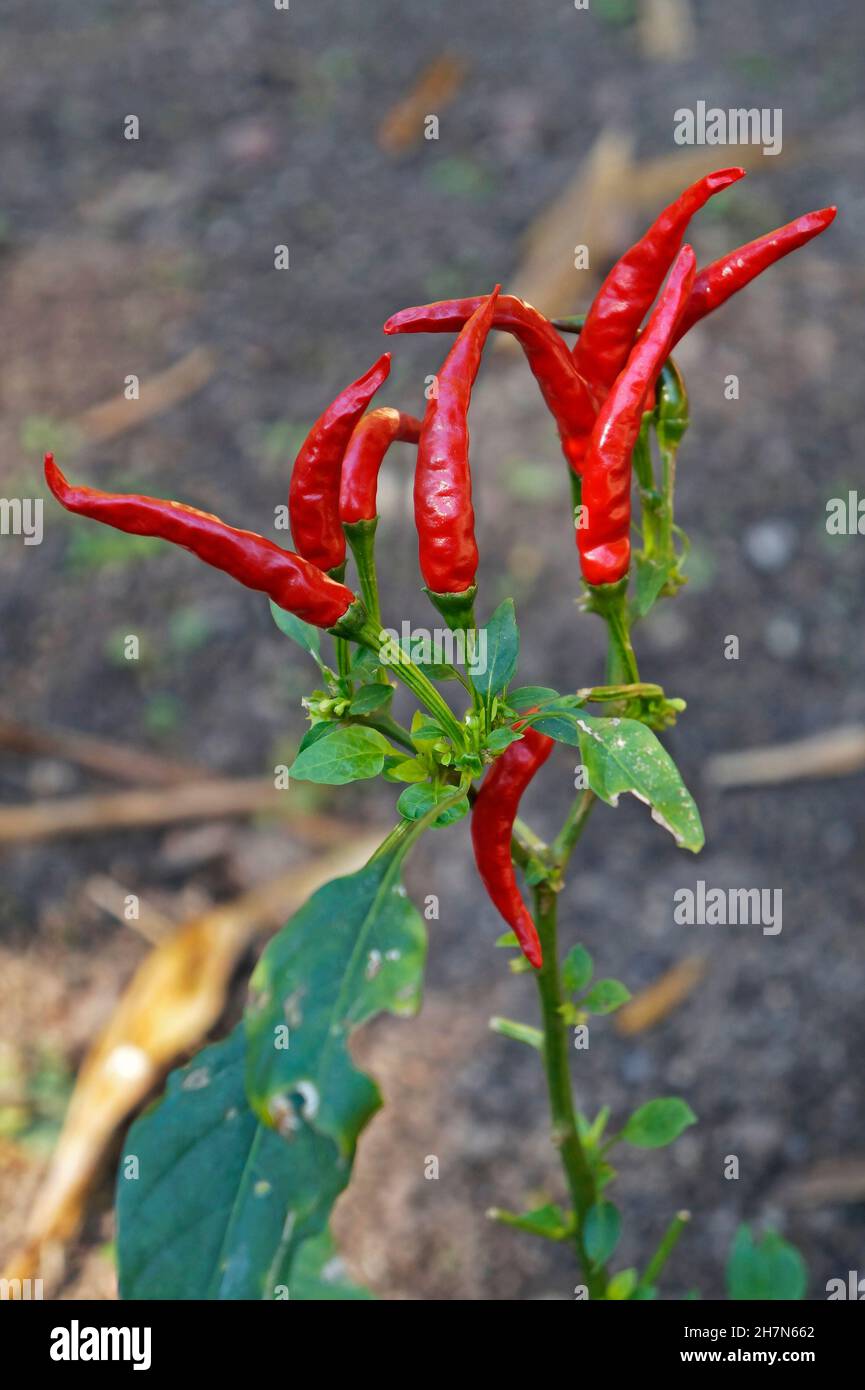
<point>507,938</point>
<point>604,997</point>
<point>425,733</point>
<point>221,1205</point>
<point>355,949</point>
<point>502,654</point>
<point>407,770</point>
<point>658,1123</point>
<point>304,634</point>
<point>622,1285</point>
<point>371,698</point>
<point>319,1275</point>
<point>623,755</point>
<point>344,753</point>
<point>765,1269</point>
<point>591,1133</point>
<point>548,1221</point>
<point>650,580</point>
<point>437,671</point>
<point>520,966</point>
<point>577,970</point>
<point>500,739</point>
<point>417,800</point>
<point>518,1032</point>
<point>364,664</point>
<point>601,1231</point>
<point>529,695</point>
<point>314,733</point>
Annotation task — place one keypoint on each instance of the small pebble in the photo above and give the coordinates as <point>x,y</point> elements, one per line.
<point>769,545</point>
<point>783,638</point>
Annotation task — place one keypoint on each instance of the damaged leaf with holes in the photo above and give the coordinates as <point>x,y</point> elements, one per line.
<point>355,949</point>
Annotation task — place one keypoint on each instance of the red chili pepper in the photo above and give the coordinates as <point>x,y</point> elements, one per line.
<point>372,437</point>
<point>291,581</point>
<point>443,486</point>
<point>725,277</point>
<point>493,816</point>
<point>567,397</point>
<point>629,290</point>
<point>605,543</point>
<point>313,498</point>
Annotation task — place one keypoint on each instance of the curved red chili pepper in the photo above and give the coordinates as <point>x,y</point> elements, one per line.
<point>631,287</point>
<point>715,283</point>
<point>313,497</point>
<point>443,510</point>
<point>372,437</point>
<point>493,816</point>
<point>605,543</point>
<point>567,397</point>
<point>292,582</point>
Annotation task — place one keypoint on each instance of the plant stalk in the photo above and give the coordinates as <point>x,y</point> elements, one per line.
<point>577,1170</point>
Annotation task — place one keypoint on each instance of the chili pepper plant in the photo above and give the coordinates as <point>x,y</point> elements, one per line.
<point>226,1185</point>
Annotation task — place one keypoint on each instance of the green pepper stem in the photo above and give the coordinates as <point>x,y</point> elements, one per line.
<point>458,610</point>
<point>611,601</point>
<point>361,537</point>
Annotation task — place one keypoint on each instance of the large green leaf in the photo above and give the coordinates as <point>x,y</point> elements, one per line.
<point>766,1269</point>
<point>355,949</point>
<point>502,654</point>
<point>221,1205</point>
<point>623,755</point>
<point>342,753</point>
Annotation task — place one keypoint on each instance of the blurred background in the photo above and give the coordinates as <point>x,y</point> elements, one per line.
<point>152,777</point>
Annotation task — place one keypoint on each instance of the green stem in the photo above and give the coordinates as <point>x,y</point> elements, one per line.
<point>669,1241</point>
<point>343,662</point>
<point>402,666</point>
<point>578,1172</point>
<point>387,726</point>
<point>564,843</point>
<point>396,837</point>
<point>404,835</point>
<point>532,844</point>
<point>668,459</point>
<point>361,537</point>
<point>611,601</point>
